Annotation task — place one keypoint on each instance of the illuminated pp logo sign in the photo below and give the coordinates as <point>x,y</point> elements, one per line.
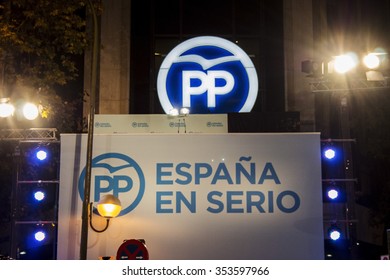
<point>116,174</point>
<point>207,75</point>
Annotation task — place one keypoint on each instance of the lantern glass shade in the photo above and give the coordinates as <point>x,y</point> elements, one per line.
<point>109,206</point>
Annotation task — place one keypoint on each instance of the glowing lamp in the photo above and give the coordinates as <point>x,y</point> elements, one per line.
<point>329,153</point>
<point>41,155</point>
<point>6,110</point>
<point>334,234</point>
<point>39,195</point>
<point>344,63</point>
<point>30,111</point>
<point>371,61</point>
<point>109,206</point>
<point>174,112</point>
<point>184,111</point>
<point>39,236</point>
<point>333,194</point>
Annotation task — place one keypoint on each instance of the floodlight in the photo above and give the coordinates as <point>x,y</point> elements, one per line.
<point>184,111</point>
<point>40,236</point>
<point>30,111</point>
<point>344,63</point>
<point>329,153</point>
<point>6,109</point>
<point>41,155</point>
<point>174,112</point>
<point>371,61</point>
<point>312,67</point>
<point>333,193</point>
<point>39,195</point>
<point>335,233</point>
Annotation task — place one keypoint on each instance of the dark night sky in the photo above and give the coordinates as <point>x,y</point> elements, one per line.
<point>353,23</point>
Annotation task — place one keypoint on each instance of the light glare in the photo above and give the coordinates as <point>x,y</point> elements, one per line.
<point>39,195</point>
<point>184,111</point>
<point>41,155</point>
<point>109,206</point>
<point>329,153</point>
<point>371,61</point>
<point>40,236</point>
<point>109,210</point>
<point>6,110</point>
<point>174,112</point>
<point>30,111</point>
<point>333,194</point>
<point>344,63</point>
<point>334,234</point>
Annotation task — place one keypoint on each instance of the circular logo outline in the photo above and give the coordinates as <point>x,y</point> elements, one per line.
<point>207,41</point>
<point>133,163</point>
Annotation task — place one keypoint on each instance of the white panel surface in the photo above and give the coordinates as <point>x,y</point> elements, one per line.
<point>199,196</point>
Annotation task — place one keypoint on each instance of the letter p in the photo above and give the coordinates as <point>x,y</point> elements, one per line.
<point>189,90</point>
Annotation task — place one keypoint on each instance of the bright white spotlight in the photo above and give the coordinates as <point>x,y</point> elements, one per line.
<point>40,236</point>
<point>6,110</point>
<point>39,195</point>
<point>344,63</point>
<point>329,153</point>
<point>372,61</point>
<point>184,111</point>
<point>30,111</point>
<point>174,112</point>
<point>333,194</point>
<point>41,155</point>
<point>334,234</point>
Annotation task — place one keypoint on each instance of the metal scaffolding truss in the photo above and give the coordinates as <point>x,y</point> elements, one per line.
<point>29,134</point>
<point>334,85</point>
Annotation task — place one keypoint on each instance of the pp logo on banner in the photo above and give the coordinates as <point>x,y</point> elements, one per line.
<point>117,174</point>
<point>208,75</point>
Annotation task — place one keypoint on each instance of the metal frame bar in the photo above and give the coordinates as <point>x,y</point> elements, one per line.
<point>37,134</point>
<point>343,85</point>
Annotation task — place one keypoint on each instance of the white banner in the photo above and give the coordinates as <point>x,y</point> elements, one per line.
<point>198,269</point>
<point>124,124</point>
<point>199,196</point>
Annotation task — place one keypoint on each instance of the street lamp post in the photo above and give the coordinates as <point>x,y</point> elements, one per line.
<point>91,116</point>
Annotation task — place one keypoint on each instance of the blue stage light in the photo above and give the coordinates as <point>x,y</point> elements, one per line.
<point>329,153</point>
<point>333,161</point>
<point>39,195</point>
<point>334,233</point>
<point>41,154</point>
<point>333,194</point>
<point>40,236</point>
